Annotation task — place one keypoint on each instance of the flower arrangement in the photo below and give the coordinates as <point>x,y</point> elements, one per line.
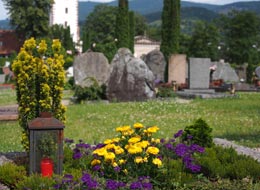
<point>132,160</point>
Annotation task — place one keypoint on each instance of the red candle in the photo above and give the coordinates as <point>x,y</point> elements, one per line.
<point>46,167</point>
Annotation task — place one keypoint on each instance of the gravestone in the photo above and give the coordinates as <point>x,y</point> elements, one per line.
<point>177,70</point>
<point>130,78</point>
<point>199,73</point>
<point>156,63</point>
<point>2,78</point>
<point>91,65</point>
<point>241,72</point>
<point>225,72</point>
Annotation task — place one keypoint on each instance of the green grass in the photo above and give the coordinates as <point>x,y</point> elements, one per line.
<point>7,97</point>
<point>232,118</point>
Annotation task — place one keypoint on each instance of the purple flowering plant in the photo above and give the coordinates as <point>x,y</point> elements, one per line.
<point>122,162</point>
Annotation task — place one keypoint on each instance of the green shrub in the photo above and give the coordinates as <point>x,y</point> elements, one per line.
<point>35,182</point>
<point>93,92</point>
<point>199,133</point>
<point>11,174</point>
<point>164,92</point>
<point>226,163</point>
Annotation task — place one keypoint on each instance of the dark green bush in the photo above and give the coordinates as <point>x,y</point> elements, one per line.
<point>93,92</point>
<point>165,92</point>
<point>35,182</point>
<point>226,163</point>
<point>200,133</point>
<point>11,174</point>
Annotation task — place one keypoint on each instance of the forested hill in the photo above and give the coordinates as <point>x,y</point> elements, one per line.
<point>154,7</point>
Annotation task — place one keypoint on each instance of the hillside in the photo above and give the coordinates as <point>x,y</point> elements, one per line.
<point>153,7</point>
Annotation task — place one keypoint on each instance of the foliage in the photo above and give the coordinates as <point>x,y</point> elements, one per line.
<point>205,41</point>
<point>30,18</point>
<point>131,31</point>
<point>35,181</point>
<point>39,82</point>
<point>122,25</point>
<point>226,163</point>
<point>199,133</point>
<point>46,144</point>
<point>93,92</point>
<point>164,92</point>
<point>11,174</point>
<point>63,34</point>
<point>241,30</point>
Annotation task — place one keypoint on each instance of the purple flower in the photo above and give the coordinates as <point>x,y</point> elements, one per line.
<point>178,134</point>
<point>96,168</point>
<point>89,182</point>
<point>69,141</point>
<point>197,148</point>
<point>169,146</point>
<point>136,185</point>
<point>162,141</point>
<point>113,185</point>
<point>77,155</point>
<point>117,169</point>
<point>181,149</point>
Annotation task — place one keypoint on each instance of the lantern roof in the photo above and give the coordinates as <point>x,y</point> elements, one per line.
<point>45,122</point>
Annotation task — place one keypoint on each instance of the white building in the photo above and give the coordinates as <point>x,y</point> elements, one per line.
<point>144,45</point>
<point>65,12</point>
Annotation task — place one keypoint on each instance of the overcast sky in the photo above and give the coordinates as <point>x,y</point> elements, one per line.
<point>3,13</point>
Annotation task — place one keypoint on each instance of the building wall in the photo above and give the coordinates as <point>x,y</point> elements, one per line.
<point>65,12</point>
<point>141,49</point>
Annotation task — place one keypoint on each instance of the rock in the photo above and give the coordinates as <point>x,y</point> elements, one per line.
<point>91,65</point>
<point>156,63</point>
<point>4,160</point>
<point>225,72</point>
<point>130,78</point>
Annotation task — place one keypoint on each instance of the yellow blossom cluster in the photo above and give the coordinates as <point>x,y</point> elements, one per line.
<point>40,79</point>
<point>134,147</point>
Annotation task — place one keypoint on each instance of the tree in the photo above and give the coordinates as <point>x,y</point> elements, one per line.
<point>30,18</point>
<point>170,29</point>
<point>204,41</point>
<point>242,34</point>
<point>40,78</point>
<point>122,24</point>
<point>131,31</point>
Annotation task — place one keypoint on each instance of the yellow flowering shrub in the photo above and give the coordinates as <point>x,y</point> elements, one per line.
<point>40,79</point>
<point>133,153</point>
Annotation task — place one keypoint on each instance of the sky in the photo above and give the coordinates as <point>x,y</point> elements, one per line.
<point>3,12</point>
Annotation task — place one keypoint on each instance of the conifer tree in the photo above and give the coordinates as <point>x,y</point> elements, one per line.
<point>122,24</point>
<point>170,31</point>
<point>131,31</point>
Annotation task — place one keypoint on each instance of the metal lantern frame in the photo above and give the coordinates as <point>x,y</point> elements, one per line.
<point>45,125</point>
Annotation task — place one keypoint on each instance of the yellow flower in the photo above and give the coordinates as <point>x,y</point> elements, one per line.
<point>122,161</point>
<point>119,150</point>
<point>114,164</point>
<point>109,156</point>
<point>115,140</point>
<point>125,171</point>
<point>108,141</point>
<point>132,149</point>
<point>138,126</point>
<point>123,128</point>
<point>153,129</point>
<point>138,159</point>
<point>143,144</point>
<point>157,161</point>
<point>145,159</point>
<point>157,141</point>
<point>100,151</point>
<point>134,139</point>
<point>152,150</point>
<point>95,162</point>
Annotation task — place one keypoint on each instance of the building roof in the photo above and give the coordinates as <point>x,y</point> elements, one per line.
<point>145,40</point>
<point>9,42</point>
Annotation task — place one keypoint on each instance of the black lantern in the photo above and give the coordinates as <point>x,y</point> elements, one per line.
<point>46,145</point>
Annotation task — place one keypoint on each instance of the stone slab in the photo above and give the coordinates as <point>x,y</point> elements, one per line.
<point>177,69</point>
<point>199,73</point>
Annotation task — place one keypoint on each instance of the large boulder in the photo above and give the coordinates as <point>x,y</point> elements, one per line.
<point>156,63</point>
<point>130,78</point>
<point>91,65</point>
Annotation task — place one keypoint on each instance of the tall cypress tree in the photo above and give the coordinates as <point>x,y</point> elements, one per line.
<point>170,31</point>
<point>131,31</point>
<point>122,24</point>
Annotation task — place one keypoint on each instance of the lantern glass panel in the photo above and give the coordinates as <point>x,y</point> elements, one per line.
<point>46,146</point>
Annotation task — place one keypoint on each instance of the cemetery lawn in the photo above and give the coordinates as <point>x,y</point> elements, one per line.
<point>235,119</point>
